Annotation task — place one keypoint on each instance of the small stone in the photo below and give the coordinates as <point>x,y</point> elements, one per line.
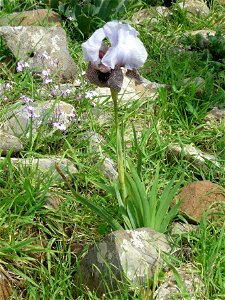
<point>192,154</point>
<point>42,48</point>
<point>197,8</point>
<point>9,142</point>
<point>191,280</point>
<point>38,17</point>
<point>182,228</point>
<point>199,197</point>
<point>151,15</point>
<point>47,114</point>
<point>131,254</point>
<point>215,115</point>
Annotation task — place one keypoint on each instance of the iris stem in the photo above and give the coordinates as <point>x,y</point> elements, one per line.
<point>119,150</point>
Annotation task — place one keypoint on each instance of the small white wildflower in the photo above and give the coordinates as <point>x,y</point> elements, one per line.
<point>77,81</point>
<point>66,92</point>
<point>26,65</point>
<point>26,99</point>
<point>91,94</point>
<point>70,18</point>
<point>47,80</point>
<point>59,126</point>
<point>21,65</point>
<point>8,86</point>
<point>46,72</point>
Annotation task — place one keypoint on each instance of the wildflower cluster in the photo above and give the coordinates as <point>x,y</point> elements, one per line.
<point>45,76</point>
<point>31,114</point>
<point>21,65</point>
<point>60,118</point>
<point>5,88</point>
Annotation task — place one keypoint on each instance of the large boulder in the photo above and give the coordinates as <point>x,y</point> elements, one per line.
<point>42,48</point>
<point>48,114</point>
<point>123,255</point>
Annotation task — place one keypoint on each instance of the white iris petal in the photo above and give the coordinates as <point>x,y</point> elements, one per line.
<point>92,45</point>
<point>126,48</point>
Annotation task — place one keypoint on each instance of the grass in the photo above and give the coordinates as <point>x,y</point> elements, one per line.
<point>40,246</point>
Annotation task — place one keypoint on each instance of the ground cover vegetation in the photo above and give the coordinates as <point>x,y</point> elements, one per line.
<point>39,245</point>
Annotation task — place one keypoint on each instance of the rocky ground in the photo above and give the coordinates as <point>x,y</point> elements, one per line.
<point>43,105</point>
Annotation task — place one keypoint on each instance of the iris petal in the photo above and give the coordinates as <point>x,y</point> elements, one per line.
<point>92,45</point>
<point>126,49</point>
<point>128,52</point>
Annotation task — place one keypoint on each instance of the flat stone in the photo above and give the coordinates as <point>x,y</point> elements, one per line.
<point>45,166</point>
<point>37,17</point>
<point>199,197</point>
<point>134,254</point>
<point>9,142</point>
<point>42,48</point>
<point>131,91</point>
<point>193,155</point>
<point>47,113</point>
<point>191,280</point>
<point>196,8</point>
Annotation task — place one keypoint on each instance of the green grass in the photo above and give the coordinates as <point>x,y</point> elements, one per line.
<point>39,245</point>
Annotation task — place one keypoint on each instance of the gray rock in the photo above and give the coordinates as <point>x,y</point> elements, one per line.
<point>133,255</point>
<point>191,280</point>
<point>9,142</point>
<point>197,8</point>
<point>130,92</point>
<point>215,115</point>
<point>48,114</point>
<point>182,228</point>
<point>151,15</point>
<point>192,154</point>
<point>45,167</point>
<point>42,48</point>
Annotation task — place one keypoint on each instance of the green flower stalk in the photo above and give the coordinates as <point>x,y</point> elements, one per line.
<point>119,148</point>
<point>105,70</point>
